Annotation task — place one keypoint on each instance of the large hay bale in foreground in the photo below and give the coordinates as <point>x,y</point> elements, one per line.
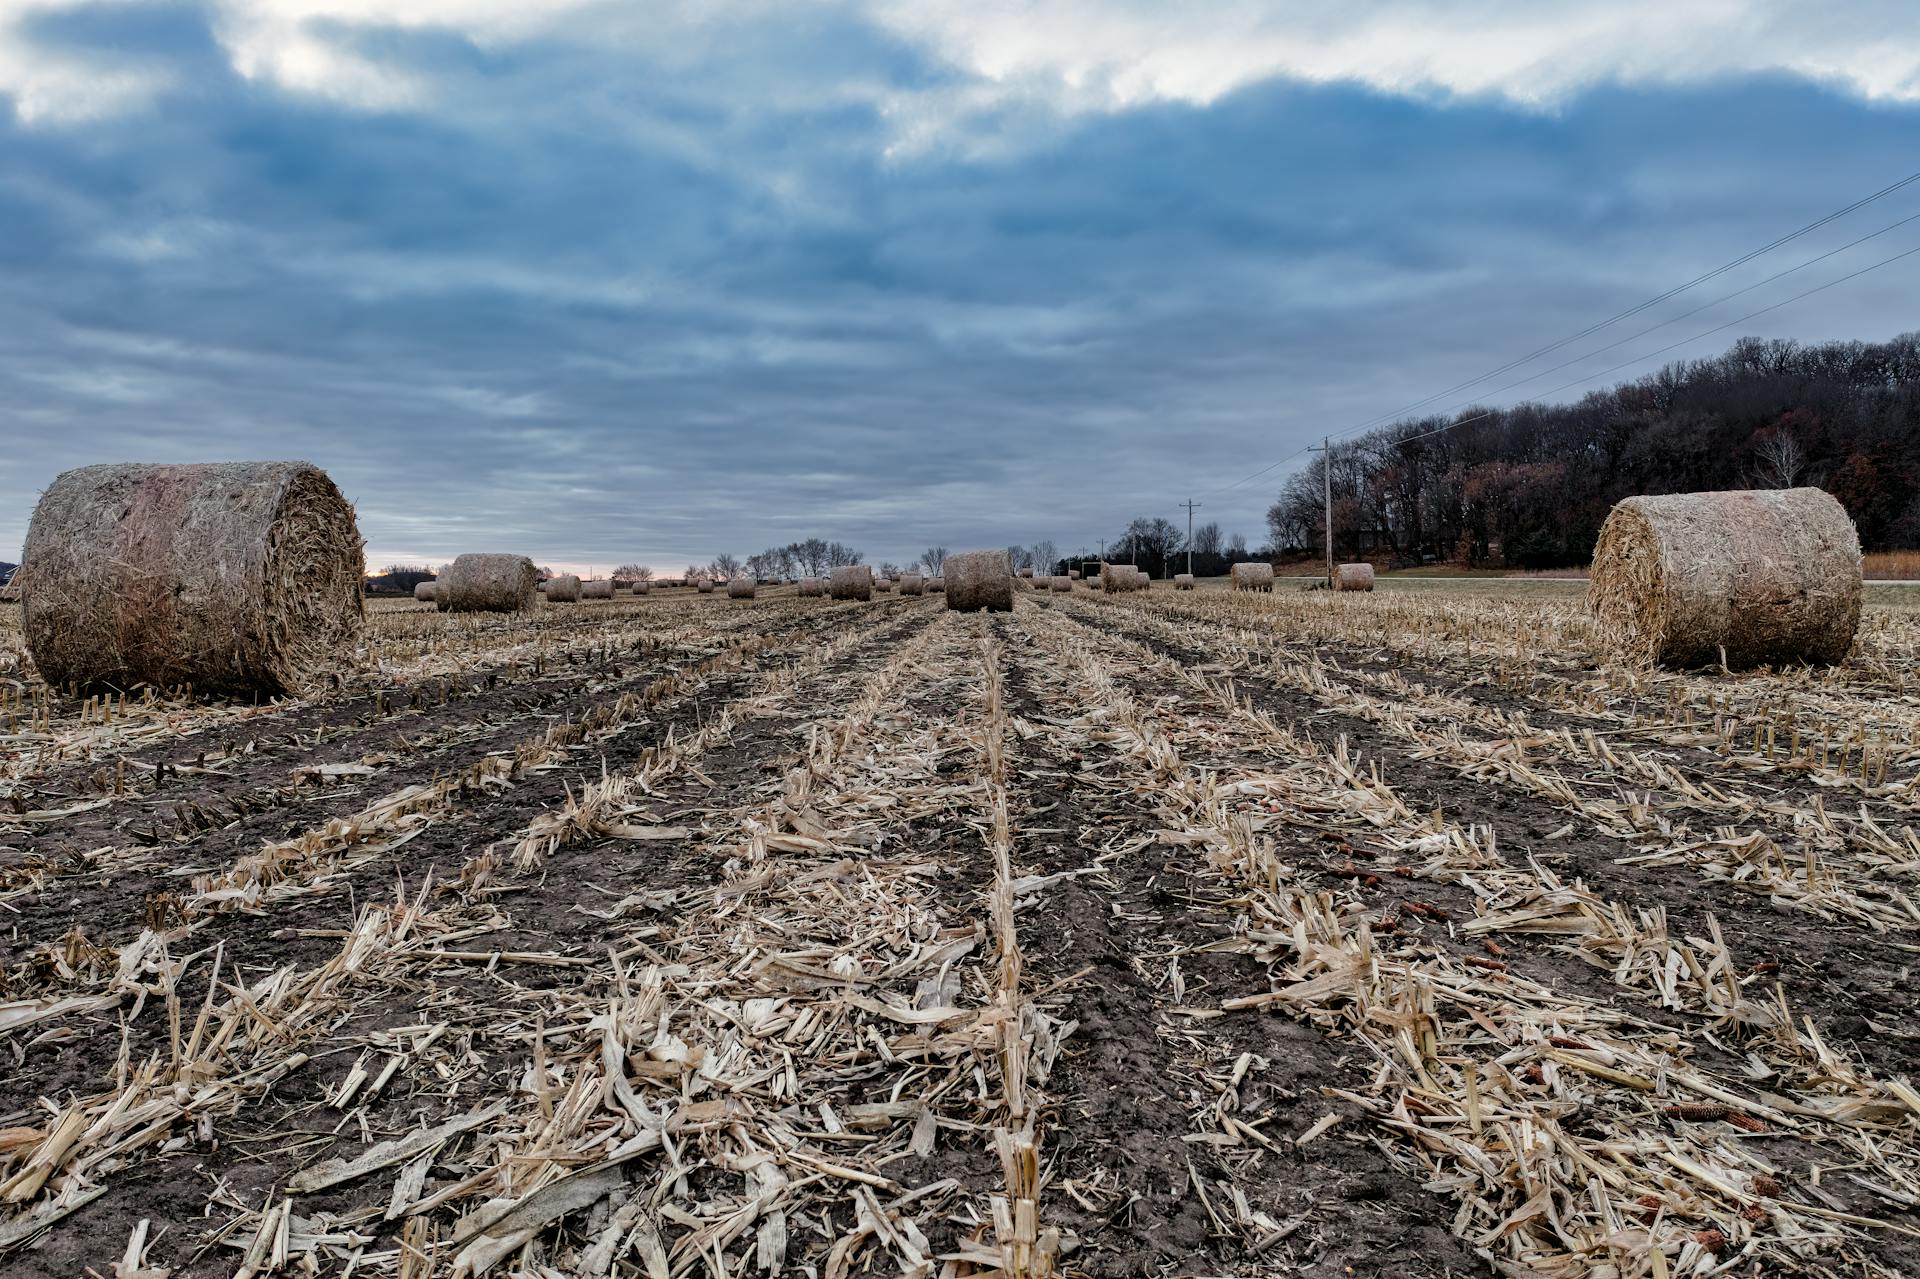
<point>741,588</point>
<point>235,577</point>
<point>1183,581</point>
<point>599,588</point>
<point>851,582</point>
<point>565,589</point>
<point>978,580</point>
<point>423,592</point>
<point>1252,575</point>
<point>492,584</point>
<point>912,584</point>
<point>1353,577</point>
<point>1768,576</point>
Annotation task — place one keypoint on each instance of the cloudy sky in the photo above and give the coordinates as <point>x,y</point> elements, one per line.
<point>601,282</point>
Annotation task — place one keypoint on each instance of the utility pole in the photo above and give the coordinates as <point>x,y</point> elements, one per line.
<point>1191,506</point>
<point>1326,476</point>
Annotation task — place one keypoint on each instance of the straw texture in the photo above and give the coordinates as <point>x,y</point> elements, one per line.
<point>978,580</point>
<point>851,582</point>
<point>492,584</point>
<point>1251,575</point>
<point>565,589</point>
<point>1353,577</point>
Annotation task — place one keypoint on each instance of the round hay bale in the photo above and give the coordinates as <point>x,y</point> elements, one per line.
<point>741,588</point>
<point>978,580</point>
<point>442,597</point>
<point>492,584</point>
<point>1768,576</point>
<point>1026,572</point>
<point>851,582</point>
<point>599,588</point>
<point>236,577</point>
<point>1252,575</point>
<point>643,588</point>
<point>883,584</point>
<point>1073,575</point>
<point>565,589</point>
<point>1118,578</point>
<point>936,586</point>
<point>812,586</point>
<point>1183,581</point>
<point>423,592</point>
<point>1060,583</point>
<point>706,586</point>
<point>1353,577</point>
<point>912,584</point>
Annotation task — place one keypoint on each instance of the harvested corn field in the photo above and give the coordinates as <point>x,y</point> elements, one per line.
<point>1145,933</point>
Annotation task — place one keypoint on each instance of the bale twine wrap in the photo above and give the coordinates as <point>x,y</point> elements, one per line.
<point>1183,581</point>
<point>423,592</point>
<point>1251,575</point>
<point>599,588</point>
<point>912,584</point>
<point>936,586</point>
<point>741,588</point>
<point>851,582</point>
<point>492,584</point>
<point>1769,576</point>
<point>706,586</point>
<point>565,589</point>
<point>1060,583</point>
<point>978,580</point>
<point>1353,577</point>
<point>236,577</point>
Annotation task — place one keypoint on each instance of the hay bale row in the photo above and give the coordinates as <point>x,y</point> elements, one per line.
<point>236,577</point>
<point>1353,577</point>
<point>912,584</point>
<point>851,582</point>
<point>1252,575</point>
<point>1183,581</point>
<point>978,580</point>
<point>742,588</point>
<point>1761,577</point>
<point>565,589</point>
<point>598,588</point>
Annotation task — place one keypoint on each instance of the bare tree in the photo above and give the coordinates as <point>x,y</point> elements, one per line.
<point>633,573</point>
<point>839,556</point>
<point>810,555</point>
<point>1778,461</point>
<point>1237,547</point>
<point>1043,557</point>
<point>1017,558</point>
<point>1207,539</point>
<point>933,559</point>
<point>725,565</point>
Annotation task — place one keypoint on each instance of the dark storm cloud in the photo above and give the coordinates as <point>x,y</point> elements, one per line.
<point>663,301</point>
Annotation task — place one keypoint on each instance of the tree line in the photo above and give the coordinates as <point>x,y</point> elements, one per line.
<point>1529,486</point>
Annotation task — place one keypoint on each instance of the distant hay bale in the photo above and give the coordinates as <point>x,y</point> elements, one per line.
<point>1120,578</point>
<point>599,588</point>
<point>936,586</point>
<point>1353,577</point>
<point>1060,583</point>
<point>1252,575</point>
<point>741,588</point>
<point>706,586</point>
<point>1026,572</point>
<point>978,580</point>
<point>1183,581</point>
<point>423,592</point>
<point>912,584</point>
<point>236,577</point>
<point>813,586</point>
<point>1767,576</point>
<point>643,588</point>
<point>851,582</point>
<point>1073,575</point>
<point>883,584</point>
<point>492,584</point>
<point>565,589</point>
